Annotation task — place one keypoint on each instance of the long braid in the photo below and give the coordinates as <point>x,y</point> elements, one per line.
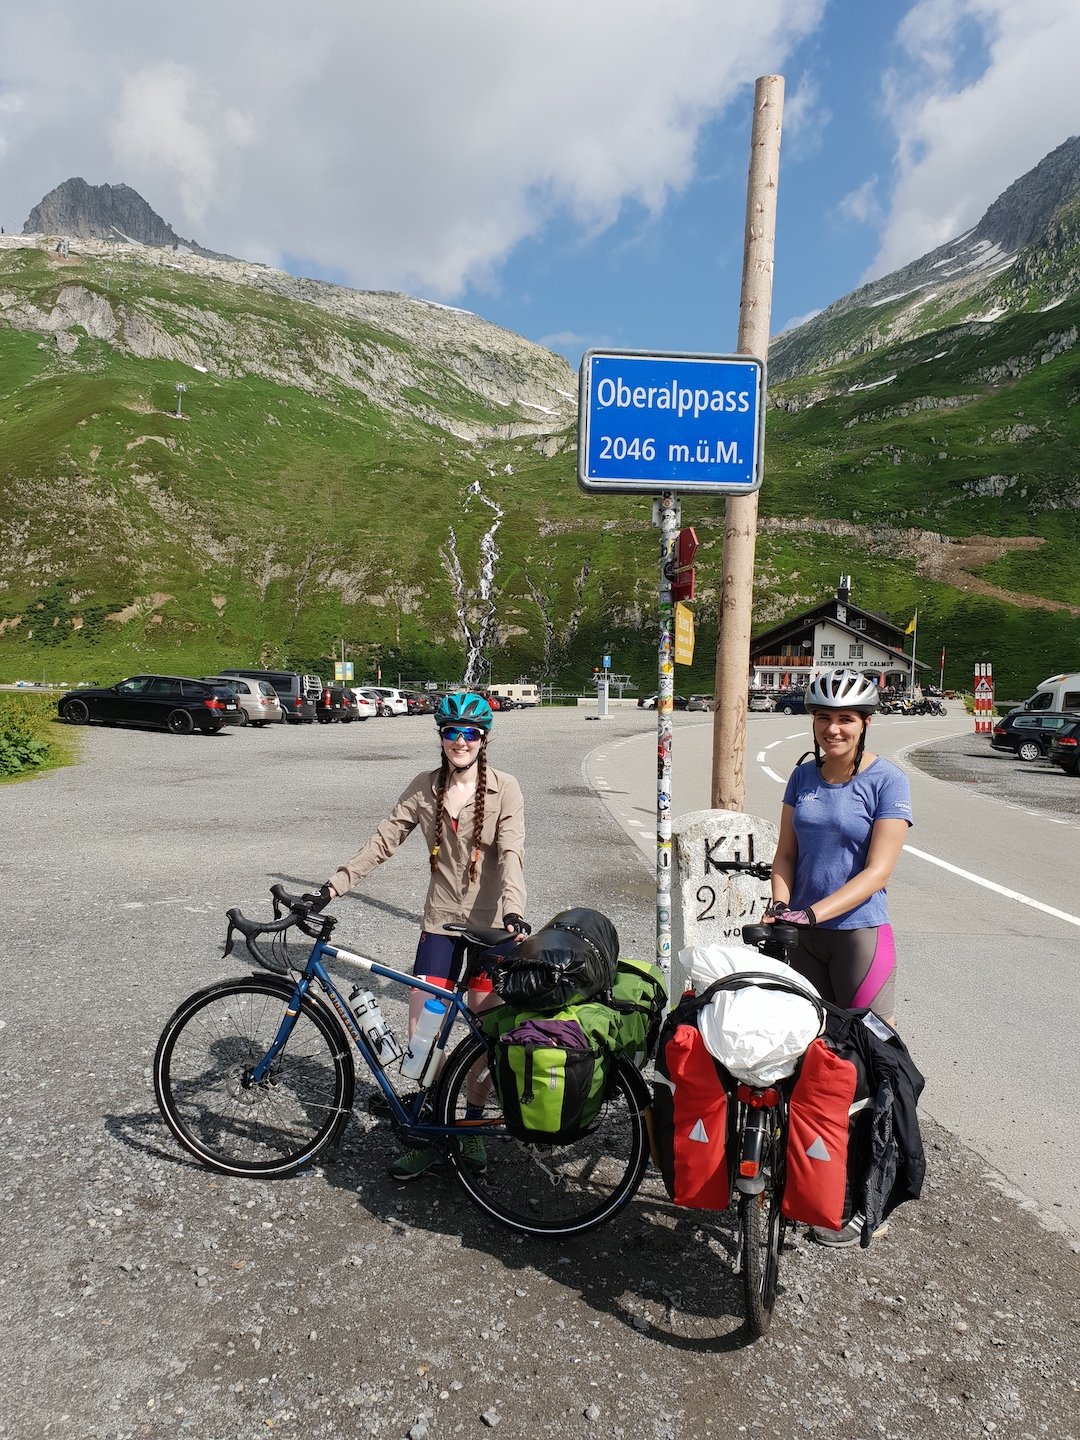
<point>861,747</point>
<point>478,811</point>
<point>440,791</point>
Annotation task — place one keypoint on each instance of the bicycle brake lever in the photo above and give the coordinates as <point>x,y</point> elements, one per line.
<point>228,941</point>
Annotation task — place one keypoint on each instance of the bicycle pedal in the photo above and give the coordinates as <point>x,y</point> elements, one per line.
<point>379,1106</point>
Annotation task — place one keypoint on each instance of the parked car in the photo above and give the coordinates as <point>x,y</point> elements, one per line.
<point>700,702</point>
<point>388,701</point>
<point>760,700</point>
<point>335,702</point>
<point>364,706</point>
<point>497,701</point>
<point>648,702</point>
<point>297,693</point>
<point>790,702</point>
<point>258,701</point>
<point>1065,747</point>
<point>419,704</point>
<point>1029,733</point>
<point>175,703</point>
<point>1059,694</point>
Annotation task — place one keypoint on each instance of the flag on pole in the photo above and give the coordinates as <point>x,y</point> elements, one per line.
<point>911,624</point>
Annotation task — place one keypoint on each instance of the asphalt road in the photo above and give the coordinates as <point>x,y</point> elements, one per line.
<point>984,904</point>
<point>144,1296</point>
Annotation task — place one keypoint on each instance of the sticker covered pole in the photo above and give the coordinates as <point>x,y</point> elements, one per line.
<point>666,515</point>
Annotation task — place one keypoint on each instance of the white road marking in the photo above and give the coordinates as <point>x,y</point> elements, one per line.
<point>993,885</point>
<point>773,775</point>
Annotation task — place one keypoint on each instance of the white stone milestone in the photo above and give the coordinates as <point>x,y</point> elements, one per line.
<point>711,903</point>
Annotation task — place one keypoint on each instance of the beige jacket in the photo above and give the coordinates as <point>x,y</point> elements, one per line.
<point>499,887</point>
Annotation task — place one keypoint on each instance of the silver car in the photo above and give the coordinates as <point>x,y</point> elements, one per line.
<point>258,701</point>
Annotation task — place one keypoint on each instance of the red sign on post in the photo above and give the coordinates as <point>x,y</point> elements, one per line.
<point>682,581</point>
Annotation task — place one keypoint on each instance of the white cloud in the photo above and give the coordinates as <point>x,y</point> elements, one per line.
<point>861,205</point>
<point>404,145</point>
<point>796,321</point>
<point>962,141</point>
<point>166,118</point>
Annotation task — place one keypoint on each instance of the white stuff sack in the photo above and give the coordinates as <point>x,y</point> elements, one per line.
<point>757,1033</point>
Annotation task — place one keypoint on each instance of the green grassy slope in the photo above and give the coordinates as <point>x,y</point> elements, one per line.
<point>286,511</point>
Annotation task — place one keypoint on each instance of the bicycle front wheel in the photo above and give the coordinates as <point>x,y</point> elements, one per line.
<point>761,1228</point>
<point>541,1189</point>
<point>202,1078</point>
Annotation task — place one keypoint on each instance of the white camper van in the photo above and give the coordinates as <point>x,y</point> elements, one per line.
<point>525,696</point>
<point>1060,692</point>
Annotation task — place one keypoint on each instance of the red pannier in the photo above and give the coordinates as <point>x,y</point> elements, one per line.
<point>829,1119</point>
<point>693,1116</point>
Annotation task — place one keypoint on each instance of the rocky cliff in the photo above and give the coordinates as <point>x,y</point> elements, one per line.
<point>1020,256</point>
<point>104,212</point>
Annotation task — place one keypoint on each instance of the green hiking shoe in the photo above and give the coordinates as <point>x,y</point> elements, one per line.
<point>413,1163</point>
<point>471,1149</point>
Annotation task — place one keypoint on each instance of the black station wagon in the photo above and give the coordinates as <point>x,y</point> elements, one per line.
<point>170,702</point>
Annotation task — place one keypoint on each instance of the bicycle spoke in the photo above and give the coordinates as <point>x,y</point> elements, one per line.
<point>541,1189</point>
<point>203,1078</point>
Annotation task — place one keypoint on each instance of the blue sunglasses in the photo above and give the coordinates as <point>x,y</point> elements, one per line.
<point>461,732</point>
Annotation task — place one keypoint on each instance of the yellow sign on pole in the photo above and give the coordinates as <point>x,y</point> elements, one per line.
<point>684,634</point>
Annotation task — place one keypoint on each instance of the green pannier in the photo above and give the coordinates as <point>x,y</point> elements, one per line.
<point>639,996</point>
<point>551,1068</point>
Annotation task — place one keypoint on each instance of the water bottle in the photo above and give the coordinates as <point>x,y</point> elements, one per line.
<point>376,1031</point>
<point>421,1049</point>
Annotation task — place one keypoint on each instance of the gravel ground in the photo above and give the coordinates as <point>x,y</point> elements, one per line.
<point>969,760</point>
<point>145,1296</point>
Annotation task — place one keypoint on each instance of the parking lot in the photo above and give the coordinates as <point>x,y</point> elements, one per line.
<point>148,1297</point>
<point>968,760</point>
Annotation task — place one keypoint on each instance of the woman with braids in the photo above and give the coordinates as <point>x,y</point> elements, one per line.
<point>472,818</point>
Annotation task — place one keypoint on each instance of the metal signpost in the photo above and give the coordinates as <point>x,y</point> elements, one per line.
<point>657,424</point>
<point>984,697</point>
<point>602,690</point>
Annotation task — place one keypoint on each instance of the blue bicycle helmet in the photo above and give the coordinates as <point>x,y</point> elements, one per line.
<point>464,708</point>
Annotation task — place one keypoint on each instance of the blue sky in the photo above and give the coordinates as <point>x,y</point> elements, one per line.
<point>575,172</point>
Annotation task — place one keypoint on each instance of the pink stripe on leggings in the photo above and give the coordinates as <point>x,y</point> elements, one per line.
<point>881,967</point>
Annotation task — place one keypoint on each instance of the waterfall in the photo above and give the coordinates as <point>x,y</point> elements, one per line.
<point>481,601</point>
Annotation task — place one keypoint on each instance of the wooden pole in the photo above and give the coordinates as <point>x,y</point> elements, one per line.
<point>740,526</point>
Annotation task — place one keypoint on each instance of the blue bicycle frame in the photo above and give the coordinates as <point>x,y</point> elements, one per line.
<point>407,1116</point>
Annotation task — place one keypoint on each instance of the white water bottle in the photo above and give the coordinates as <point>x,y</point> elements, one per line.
<point>422,1045</point>
<point>376,1031</point>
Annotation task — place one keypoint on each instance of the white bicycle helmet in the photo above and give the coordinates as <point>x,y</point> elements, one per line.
<point>842,690</point>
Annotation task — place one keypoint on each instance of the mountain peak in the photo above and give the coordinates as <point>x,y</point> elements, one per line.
<point>1023,211</point>
<point>1017,256</point>
<point>104,212</point>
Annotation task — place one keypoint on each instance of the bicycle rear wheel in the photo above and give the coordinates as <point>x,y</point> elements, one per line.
<point>544,1189</point>
<point>202,1072</point>
<point>761,1227</point>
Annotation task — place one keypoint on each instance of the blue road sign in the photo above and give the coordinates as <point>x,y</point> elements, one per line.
<point>670,422</point>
